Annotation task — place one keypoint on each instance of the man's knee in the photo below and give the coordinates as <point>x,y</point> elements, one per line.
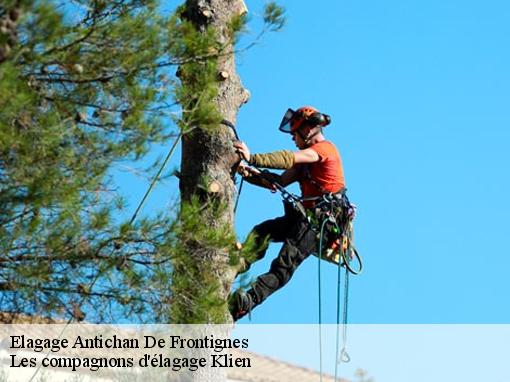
<point>263,229</point>
<point>284,266</point>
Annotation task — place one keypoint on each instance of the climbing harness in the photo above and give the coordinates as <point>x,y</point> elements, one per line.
<point>328,208</point>
<point>337,211</point>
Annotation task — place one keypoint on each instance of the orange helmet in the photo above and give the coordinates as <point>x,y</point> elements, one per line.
<point>306,115</point>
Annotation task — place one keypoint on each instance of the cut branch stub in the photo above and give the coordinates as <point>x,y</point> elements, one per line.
<point>206,13</point>
<point>246,95</point>
<point>223,75</point>
<point>214,187</point>
<point>80,117</point>
<point>77,68</point>
<point>241,8</point>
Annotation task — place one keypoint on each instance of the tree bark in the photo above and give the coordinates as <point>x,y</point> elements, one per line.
<point>210,155</point>
<point>205,154</point>
<point>8,19</point>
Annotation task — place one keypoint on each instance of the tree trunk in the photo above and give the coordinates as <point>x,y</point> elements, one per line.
<point>210,157</point>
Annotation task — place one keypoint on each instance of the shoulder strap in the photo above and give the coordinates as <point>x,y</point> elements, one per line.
<point>308,177</point>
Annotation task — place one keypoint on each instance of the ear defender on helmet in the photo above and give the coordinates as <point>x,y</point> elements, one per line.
<point>318,119</point>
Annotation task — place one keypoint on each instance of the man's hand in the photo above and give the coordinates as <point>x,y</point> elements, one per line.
<point>245,170</point>
<point>251,173</point>
<point>242,150</point>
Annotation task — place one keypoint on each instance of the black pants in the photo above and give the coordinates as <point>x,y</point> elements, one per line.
<point>299,242</point>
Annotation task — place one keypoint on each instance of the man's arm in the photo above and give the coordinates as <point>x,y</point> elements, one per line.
<point>254,177</point>
<point>306,156</point>
<point>289,176</point>
<point>266,179</point>
<point>284,159</point>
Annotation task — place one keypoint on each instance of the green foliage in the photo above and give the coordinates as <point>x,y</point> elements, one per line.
<point>77,94</point>
<point>237,27</point>
<point>246,254</point>
<point>198,282</point>
<point>241,260</point>
<point>198,53</point>
<point>274,16</point>
<point>89,84</point>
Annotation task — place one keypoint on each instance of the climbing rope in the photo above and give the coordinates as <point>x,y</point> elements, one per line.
<point>342,355</point>
<point>346,251</point>
<point>240,189</point>
<point>323,225</point>
<point>233,128</point>
<point>156,178</point>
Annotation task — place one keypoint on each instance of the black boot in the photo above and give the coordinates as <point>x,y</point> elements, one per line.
<point>240,304</point>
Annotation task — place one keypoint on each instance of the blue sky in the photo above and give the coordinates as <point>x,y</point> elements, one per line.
<point>419,97</point>
<point>418,92</point>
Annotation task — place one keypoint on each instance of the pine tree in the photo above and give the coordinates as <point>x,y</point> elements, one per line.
<point>83,87</point>
<point>80,90</point>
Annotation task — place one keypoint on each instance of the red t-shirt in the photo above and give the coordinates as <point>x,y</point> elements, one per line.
<point>326,175</point>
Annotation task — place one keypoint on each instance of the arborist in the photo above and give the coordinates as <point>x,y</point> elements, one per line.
<point>317,166</point>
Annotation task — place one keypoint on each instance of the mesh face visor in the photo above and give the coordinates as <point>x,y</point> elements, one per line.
<point>285,123</point>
